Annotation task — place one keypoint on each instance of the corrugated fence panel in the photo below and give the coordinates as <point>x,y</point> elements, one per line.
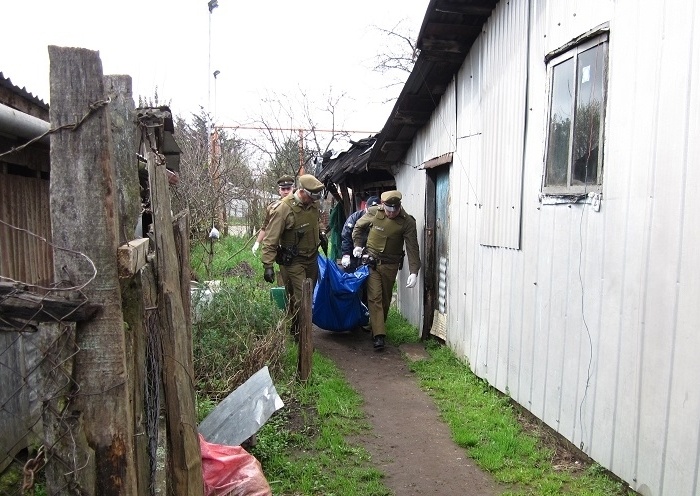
<point>24,204</point>
<point>503,63</point>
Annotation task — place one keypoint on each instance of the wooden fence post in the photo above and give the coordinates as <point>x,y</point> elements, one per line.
<point>306,345</point>
<point>178,370</point>
<point>124,136</point>
<point>84,220</point>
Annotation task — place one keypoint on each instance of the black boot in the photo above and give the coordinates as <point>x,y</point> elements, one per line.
<point>378,342</point>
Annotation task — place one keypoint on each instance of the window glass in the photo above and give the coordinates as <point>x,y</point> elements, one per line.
<point>574,160</point>
<point>560,124</point>
<point>589,109</point>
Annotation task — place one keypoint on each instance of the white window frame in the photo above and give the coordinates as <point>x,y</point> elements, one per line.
<point>571,52</point>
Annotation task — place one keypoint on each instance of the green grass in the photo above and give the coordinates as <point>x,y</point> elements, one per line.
<point>485,423</point>
<point>304,447</point>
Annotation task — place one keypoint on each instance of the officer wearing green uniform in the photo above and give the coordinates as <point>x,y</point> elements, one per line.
<point>292,239</point>
<point>388,228</point>
<point>285,184</point>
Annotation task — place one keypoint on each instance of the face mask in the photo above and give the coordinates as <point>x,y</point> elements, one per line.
<point>314,196</point>
<point>390,208</point>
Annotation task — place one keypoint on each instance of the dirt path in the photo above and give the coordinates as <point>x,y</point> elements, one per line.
<point>408,442</point>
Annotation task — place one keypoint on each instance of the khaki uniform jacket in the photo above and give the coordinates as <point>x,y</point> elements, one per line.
<point>386,237</point>
<point>268,212</point>
<point>291,224</point>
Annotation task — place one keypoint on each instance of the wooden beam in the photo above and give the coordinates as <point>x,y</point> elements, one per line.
<point>466,9</point>
<point>185,462</point>
<point>438,30</point>
<point>448,46</point>
<point>411,117</point>
<point>417,103</point>
<point>21,304</point>
<point>390,146</point>
<point>441,56</point>
<point>131,257</point>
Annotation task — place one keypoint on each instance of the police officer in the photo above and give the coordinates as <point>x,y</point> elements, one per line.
<point>285,184</point>
<point>388,228</point>
<point>292,240</point>
<point>349,262</point>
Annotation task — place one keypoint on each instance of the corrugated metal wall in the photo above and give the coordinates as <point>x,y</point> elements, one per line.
<point>593,323</point>
<point>503,51</point>
<point>24,203</point>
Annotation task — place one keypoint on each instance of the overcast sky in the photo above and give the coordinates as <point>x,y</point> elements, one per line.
<point>260,48</point>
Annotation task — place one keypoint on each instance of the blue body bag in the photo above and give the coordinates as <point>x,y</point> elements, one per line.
<point>337,304</point>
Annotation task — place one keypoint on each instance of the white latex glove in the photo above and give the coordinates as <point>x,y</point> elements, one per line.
<point>357,252</point>
<point>412,279</point>
<point>345,261</point>
<point>256,245</point>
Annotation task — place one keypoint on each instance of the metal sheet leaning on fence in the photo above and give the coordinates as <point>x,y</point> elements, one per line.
<point>292,239</point>
<point>388,227</point>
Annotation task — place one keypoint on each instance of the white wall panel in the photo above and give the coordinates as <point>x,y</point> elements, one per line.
<point>503,62</point>
<point>411,182</point>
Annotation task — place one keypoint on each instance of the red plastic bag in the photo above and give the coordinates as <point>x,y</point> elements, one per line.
<point>231,471</point>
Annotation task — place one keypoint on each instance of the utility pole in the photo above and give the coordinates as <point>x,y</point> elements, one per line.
<point>212,4</point>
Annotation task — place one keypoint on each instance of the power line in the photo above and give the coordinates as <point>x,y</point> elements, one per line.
<point>264,128</point>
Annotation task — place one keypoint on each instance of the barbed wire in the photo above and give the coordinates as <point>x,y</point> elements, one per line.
<point>93,107</point>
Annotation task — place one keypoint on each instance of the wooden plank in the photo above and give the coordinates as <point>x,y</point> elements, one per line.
<point>15,302</point>
<point>185,463</point>
<point>84,223</point>
<point>306,345</point>
<point>131,257</point>
<point>181,231</point>
<point>122,112</point>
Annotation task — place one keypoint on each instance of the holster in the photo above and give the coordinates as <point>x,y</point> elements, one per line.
<point>285,255</point>
<point>368,259</point>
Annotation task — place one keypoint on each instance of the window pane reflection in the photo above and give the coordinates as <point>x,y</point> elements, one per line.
<point>560,124</point>
<point>590,79</point>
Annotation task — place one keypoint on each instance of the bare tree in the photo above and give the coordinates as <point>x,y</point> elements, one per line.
<point>214,174</point>
<point>399,53</point>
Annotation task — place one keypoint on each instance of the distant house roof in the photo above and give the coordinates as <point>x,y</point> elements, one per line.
<point>450,28</point>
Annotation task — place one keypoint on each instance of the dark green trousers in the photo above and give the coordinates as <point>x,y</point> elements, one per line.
<point>380,285</point>
<point>293,276</point>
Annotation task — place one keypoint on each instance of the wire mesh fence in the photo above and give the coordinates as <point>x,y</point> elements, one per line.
<point>40,432</point>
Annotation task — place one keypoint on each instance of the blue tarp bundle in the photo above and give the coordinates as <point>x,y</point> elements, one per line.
<point>337,305</point>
